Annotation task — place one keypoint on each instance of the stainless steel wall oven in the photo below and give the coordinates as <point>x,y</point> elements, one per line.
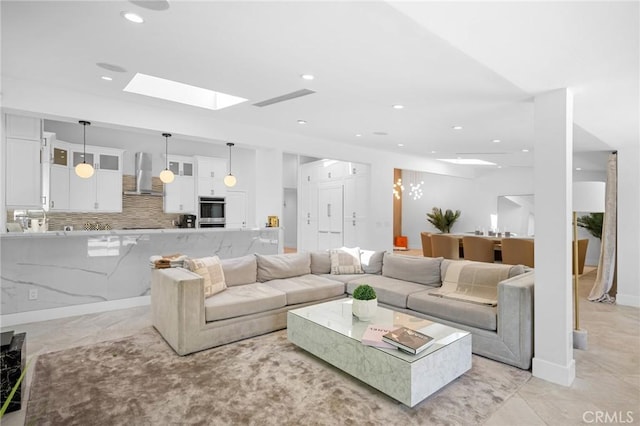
<point>212,212</point>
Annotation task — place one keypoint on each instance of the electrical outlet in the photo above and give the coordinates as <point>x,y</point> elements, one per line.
<point>33,294</point>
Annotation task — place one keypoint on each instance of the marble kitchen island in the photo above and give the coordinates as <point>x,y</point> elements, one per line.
<point>54,274</point>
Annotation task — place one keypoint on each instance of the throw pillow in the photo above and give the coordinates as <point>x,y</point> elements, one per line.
<point>371,261</point>
<point>320,262</point>
<point>210,269</point>
<point>346,261</point>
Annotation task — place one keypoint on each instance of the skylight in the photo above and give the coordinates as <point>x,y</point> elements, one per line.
<point>468,161</point>
<point>174,91</point>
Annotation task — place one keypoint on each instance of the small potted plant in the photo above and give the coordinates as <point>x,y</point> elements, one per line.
<point>365,302</point>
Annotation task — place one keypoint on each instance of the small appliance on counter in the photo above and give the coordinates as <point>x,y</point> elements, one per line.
<point>187,221</point>
<point>32,220</point>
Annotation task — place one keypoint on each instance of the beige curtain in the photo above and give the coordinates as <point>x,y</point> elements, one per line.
<point>607,263</point>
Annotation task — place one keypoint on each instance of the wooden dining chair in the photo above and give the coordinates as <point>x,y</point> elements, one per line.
<point>479,249</point>
<point>518,251</point>
<point>445,246</point>
<point>426,244</point>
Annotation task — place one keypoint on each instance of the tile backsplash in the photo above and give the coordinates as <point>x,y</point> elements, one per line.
<point>138,211</point>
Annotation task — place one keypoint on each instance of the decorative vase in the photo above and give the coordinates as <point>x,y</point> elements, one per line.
<point>364,309</point>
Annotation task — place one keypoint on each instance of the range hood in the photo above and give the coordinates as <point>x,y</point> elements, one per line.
<point>143,167</point>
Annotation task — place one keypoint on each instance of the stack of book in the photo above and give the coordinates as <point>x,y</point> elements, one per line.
<point>407,340</point>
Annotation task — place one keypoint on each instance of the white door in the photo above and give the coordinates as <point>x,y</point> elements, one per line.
<point>290,217</point>
<point>236,209</point>
<point>23,173</point>
<point>330,217</point>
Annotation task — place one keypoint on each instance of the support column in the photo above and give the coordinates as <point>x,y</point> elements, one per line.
<point>628,224</point>
<point>553,310</point>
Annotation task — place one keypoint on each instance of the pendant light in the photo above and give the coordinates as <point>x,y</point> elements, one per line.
<point>83,169</point>
<point>166,176</point>
<point>230,180</point>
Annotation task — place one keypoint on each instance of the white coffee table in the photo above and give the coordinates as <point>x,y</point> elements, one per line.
<point>330,332</point>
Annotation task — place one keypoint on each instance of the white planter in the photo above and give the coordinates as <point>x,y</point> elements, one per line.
<point>364,309</point>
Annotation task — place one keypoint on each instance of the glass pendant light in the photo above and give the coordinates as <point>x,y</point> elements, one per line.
<point>83,169</point>
<point>230,180</point>
<point>166,176</point>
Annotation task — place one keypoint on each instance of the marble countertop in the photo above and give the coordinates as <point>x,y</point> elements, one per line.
<point>125,232</point>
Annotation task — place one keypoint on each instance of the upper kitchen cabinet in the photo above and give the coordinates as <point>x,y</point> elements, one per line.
<point>102,192</point>
<point>211,173</point>
<point>23,162</point>
<point>179,195</point>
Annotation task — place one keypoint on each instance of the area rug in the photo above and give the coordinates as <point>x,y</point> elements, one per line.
<point>265,380</point>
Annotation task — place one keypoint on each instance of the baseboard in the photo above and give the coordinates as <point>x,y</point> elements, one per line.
<point>72,311</point>
<point>628,300</point>
<point>555,373</point>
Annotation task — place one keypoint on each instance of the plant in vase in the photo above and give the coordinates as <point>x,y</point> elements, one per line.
<point>365,302</point>
<point>443,221</point>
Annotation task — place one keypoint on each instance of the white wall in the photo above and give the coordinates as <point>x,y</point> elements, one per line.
<point>289,170</point>
<point>477,199</point>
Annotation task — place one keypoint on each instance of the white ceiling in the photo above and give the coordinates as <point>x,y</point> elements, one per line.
<point>474,64</point>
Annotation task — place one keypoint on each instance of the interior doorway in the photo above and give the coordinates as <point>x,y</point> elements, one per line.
<point>290,219</point>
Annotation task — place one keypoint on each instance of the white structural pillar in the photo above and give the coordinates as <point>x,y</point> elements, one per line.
<point>269,192</point>
<point>553,310</point>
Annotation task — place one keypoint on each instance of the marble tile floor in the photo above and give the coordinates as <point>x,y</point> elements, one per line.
<point>607,384</point>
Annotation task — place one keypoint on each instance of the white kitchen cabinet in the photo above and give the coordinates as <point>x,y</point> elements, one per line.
<point>19,127</point>
<point>102,192</point>
<point>236,209</point>
<point>23,174</point>
<point>211,172</point>
<point>58,198</point>
<point>55,172</point>
<point>330,216</point>
<point>180,195</point>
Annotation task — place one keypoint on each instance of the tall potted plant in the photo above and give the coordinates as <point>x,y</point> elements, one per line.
<point>365,302</point>
<point>592,223</point>
<point>443,221</point>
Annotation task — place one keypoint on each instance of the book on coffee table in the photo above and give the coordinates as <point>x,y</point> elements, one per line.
<point>373,335</point>
<point>408,340</point>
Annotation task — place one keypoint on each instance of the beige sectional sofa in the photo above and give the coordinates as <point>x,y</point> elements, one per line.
<point>262,288</point>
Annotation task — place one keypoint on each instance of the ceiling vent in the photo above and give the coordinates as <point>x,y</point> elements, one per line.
<point>287,97</point>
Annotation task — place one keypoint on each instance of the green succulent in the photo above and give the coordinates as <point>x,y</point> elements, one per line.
<point>364,292</point>
<point>443,221</point>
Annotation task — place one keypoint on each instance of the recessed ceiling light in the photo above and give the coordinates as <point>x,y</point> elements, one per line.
<point>107,78</point>
<point>456,127</point>
<point>174,91</point>
<point>302,122</point>
<point>358,135</point>
<point>433,152</point>
<point>400,144</point>
<point>398,106</point>
<point>499,167</point>
<point>578,168</point>
<point>496,141</point>
<point>132,17</point>
<point>467,161</point>
<point>307,76</point>
<point>525,150</point>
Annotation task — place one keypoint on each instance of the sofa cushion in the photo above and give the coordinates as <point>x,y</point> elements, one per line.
<point>371,261</point>
<point>475,282</point>
<point>277,266</point>
<point>480,316</point>
<point>243,300</point>
<point>421,270</point>
<point>513,269</point>
<point>345,260</point>
<point>388,290</point>
<point>240,270</point>
<point>320,262</point>
<point>307,288</point>
<point>345,278</point>
<point>210,269</point>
